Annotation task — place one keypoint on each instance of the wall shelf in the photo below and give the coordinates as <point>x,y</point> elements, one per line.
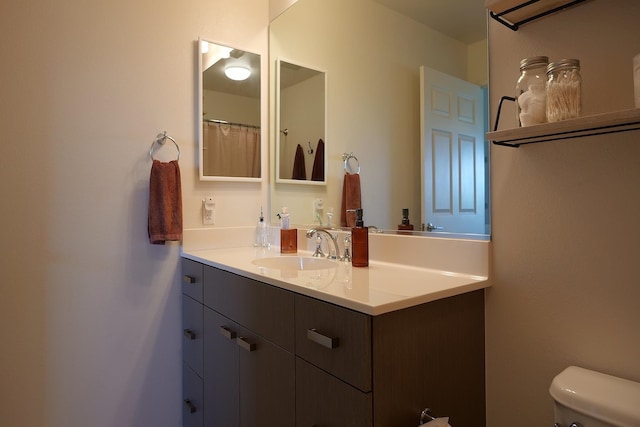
<point>526,11</point>
<point>619,121</point>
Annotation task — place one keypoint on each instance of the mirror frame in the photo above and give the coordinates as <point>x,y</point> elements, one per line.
<point>199,112</point>
<point>278,131</point>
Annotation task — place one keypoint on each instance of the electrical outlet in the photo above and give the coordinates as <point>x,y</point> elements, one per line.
<point>208,210</point>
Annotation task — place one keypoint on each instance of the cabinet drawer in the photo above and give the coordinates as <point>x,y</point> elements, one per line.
<point>192,333</point>
<point>221,370</point>
<point>191,398</point>
<point>323,400</point>
<point>264,309</point>
<point>335,339</point>
<point>192,274</point>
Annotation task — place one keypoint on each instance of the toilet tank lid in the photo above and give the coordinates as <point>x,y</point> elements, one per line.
<point>604,397</point>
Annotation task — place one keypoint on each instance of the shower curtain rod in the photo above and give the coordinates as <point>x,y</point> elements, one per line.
<point>224,122</point>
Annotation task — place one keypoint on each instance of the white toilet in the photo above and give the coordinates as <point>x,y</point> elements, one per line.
<point>585,398</point>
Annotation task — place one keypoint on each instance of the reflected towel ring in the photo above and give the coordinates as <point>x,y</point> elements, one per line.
<point>161,139</point>
<point>347,167</point>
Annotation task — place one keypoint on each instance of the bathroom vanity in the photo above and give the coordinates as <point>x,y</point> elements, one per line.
<point>327,347</point>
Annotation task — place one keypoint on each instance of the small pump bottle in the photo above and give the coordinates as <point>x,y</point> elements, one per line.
<point>288,236</point>
<point>359,242</point>
<point>405,225</point>
<point>262,232</point>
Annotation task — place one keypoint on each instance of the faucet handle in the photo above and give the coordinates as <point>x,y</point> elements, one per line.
<point>318,252</point>
<point>347,254</point>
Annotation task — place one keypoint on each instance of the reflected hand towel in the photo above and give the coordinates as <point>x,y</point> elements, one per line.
<point>317,173</point>
<point>351,199</point>
<point>299,170</point>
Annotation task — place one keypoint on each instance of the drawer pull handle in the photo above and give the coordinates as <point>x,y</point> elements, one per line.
<point>190,406</point>
<point>190,334</point>
<point>227,333</point>
<point>188,279</point>
<point>323,340</point>
<point>246,345</point>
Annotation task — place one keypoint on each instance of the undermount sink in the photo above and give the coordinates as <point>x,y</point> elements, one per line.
<point>297,263</point>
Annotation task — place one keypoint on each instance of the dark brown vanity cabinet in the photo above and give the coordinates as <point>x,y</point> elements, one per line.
<point>192,344</point>
<point>384,370</point>
<point>247,360</point>
<point>273,357</point>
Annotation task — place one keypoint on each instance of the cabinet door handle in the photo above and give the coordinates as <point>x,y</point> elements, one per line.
<point>190,334</point>
<point>228,333</point>
<point>188,279</point>
<point>246,345</point>
<point>323,340</point>
<point>190,406</point>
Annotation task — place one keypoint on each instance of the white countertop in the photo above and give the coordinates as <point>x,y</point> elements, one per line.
<point>380,288</point>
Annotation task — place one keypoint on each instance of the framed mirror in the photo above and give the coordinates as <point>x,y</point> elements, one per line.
<point>373,52</point>
<point>301,126</point>
<point>229,120</point>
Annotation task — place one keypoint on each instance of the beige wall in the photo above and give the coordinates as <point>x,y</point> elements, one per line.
<point>565,222</point>
<point>89,310</point>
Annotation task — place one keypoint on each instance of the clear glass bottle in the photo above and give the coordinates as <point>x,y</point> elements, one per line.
<point>530,91</point>
<point>564,90</point>
<point>262,235</point>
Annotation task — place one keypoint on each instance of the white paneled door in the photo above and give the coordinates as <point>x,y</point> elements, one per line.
<point>453,153</point>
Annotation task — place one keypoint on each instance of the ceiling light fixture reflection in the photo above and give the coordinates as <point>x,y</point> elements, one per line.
<point>237,73</point>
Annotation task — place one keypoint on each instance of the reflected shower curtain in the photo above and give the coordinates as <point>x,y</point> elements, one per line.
<point>231,150</point>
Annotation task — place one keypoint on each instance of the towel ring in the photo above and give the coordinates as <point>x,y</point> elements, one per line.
<point>345,158</point>
<point>161,138</point>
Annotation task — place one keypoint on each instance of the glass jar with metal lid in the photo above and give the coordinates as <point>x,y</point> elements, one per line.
<point>564,90</point>
<point>530,91</point>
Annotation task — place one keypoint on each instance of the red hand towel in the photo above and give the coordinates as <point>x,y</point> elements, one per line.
<point>351,199</point>
<point>165,203</point>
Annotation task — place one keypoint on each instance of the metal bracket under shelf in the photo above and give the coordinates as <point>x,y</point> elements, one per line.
<point>501,16</point>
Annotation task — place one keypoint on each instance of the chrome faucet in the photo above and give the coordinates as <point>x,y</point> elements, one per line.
<point>330,237</point>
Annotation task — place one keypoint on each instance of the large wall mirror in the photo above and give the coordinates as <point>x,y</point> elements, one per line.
<point>230,116</point>
<point>377,105</point>
<point>300,131</point>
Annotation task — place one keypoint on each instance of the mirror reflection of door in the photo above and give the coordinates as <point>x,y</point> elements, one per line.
<point>301,124</point>
<point>230,138</point>
<point>453,126</point>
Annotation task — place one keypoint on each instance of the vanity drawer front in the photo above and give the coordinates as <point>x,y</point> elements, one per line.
<point>192,337</point>
<point>335,339</point>
<point>261,308</point>
<point>324,400</point>
<point>192,275</point>
<point>192,401</point>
